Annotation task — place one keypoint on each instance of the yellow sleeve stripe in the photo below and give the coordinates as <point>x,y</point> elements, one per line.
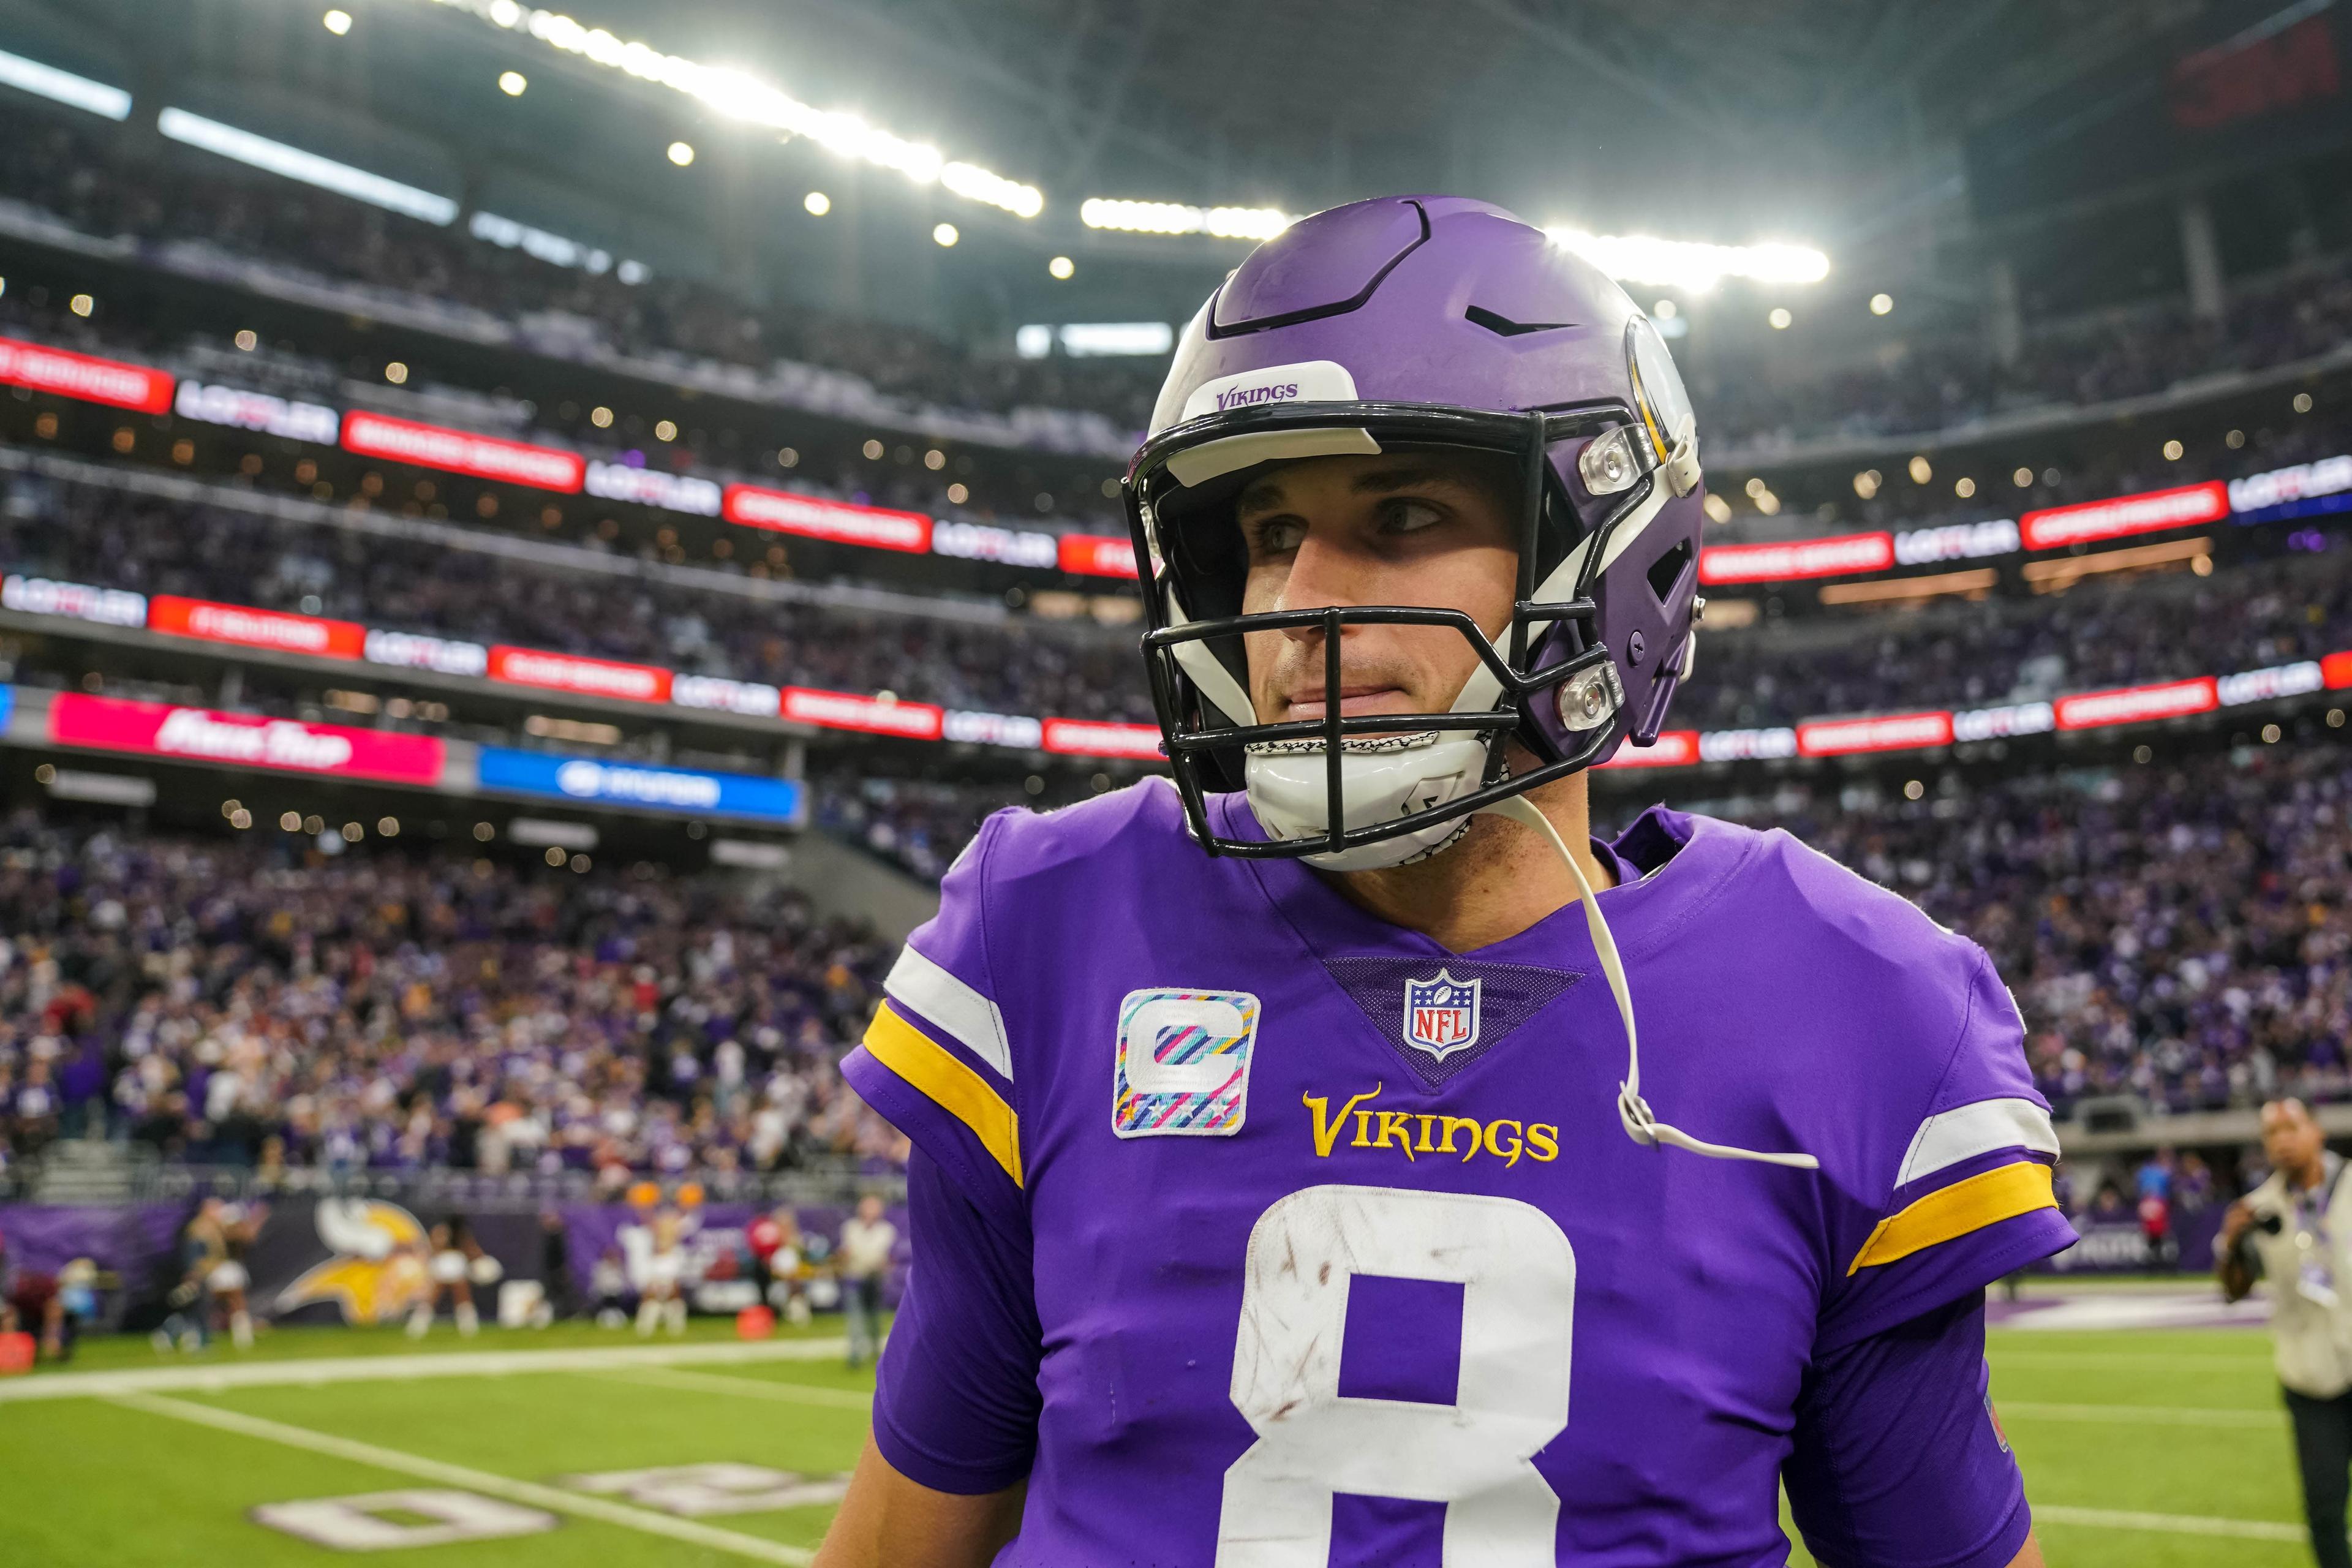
<point>954,1087</point>
<point>1986,1198</point>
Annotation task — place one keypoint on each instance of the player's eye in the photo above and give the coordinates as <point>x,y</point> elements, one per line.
<point>1274,535</point>
<point>1408,515</point>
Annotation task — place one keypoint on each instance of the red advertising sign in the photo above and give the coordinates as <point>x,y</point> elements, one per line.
<point>1893,732</point>
<point>2335,670</point>
<point>587,676</point>
<point>82,376</point>
<point>243,740</point>
<point>756,506</point>
<point>845,710</point>
<point>1839,557</point>
<point>1673,749</point>
<point>462,452</point>
<point>2136,704</point>
<point>1088,738</point>
<point>1098,556</point>
<point>256,628</point>
<point>2151,511</point>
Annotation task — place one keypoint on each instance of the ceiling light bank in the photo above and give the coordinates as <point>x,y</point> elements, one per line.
<point>1175,217</point>
<point>741,97</point>
<point>1630,258</point>
<point>1689,264</point>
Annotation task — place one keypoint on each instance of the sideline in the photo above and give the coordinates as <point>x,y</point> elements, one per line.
<point>395,1368</point>
<point>553,1499</point>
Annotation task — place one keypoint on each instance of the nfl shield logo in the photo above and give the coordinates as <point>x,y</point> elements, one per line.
<point>1440,1014</point>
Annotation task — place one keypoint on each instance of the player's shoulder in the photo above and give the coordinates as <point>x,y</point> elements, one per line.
<point>1143,822</point>
<point>1769,882</point>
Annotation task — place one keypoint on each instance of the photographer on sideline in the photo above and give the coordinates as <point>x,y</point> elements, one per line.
<point>2294,1229</point>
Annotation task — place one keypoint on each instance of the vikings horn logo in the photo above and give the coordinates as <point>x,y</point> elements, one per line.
<point>378,1267</point>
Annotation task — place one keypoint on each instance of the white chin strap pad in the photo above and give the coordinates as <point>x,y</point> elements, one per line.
<point>1289,792</point>
<point>1640,1125</point>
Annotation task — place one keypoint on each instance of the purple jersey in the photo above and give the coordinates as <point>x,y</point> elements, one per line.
<point>1262,1233</point>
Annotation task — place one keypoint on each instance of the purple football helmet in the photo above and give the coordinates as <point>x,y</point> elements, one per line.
<point>1419,322</point>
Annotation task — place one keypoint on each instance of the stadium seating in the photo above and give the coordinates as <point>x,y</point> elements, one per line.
<point>2099,633</point>
<point>254,1002</point>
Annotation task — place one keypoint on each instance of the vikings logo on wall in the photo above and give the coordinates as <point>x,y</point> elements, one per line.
<point>377,1269</point>
<point>1441,1013</point>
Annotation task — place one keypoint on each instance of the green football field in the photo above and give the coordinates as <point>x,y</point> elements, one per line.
<point>2141,1448</point>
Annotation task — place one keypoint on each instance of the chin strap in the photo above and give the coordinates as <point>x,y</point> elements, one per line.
<point>1640,1125</point>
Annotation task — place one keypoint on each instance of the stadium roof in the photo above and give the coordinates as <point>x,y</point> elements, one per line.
<point>1855,126</point>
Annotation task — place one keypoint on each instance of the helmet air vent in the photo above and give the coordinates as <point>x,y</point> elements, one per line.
<point>1502,326</point>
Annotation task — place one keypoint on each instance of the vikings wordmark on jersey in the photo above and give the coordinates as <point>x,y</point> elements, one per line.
<point>1426,1301</point>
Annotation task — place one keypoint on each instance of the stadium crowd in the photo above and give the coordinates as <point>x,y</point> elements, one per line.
<point>2177,931</point>
<point>1933,385</point>
<point>2098,635</point>
<point>255,1001</point>
<point>88,534</point>
<point>2105,631</point>
<point>103,183</point>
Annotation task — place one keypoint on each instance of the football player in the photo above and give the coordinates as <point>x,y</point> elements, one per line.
<point>1337,1155</point>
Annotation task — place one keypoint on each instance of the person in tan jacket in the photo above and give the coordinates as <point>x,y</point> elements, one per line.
<point>2295,1230</point>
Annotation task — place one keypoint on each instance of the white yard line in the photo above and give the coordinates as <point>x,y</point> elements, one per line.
<point>2168,1523</point>
<point>742,1387</point>
<point>2142,1414</point>
<point>553,1499</point>
<point>2082,1361</point>
<point>395,1368</point>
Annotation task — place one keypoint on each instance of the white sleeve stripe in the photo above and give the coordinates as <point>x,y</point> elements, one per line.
<point>972,1018</point>
<point>1949,1137</point>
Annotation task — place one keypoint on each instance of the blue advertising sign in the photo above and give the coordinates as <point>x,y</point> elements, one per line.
<point>687,792</point>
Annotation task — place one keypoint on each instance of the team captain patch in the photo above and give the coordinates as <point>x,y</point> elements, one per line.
<point>1182,1063</point>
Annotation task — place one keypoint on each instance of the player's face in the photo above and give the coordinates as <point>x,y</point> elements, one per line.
<point>1405,528</point>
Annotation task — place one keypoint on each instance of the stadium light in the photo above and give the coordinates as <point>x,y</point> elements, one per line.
<point>1095,340</point>
<point>1688,264</point>
<point>552,249</point>
<point>1880,304</point>
<point>1691,265</point>
<point>737,95</point>
<point>817,204</point>
<point>1061,269</point>
<point>1176,218</point>
<point>337,22</point>
<point>278,158</point>
<point>681,153</point>
<point>945,235</point>
<point>513,83</point>
<point>63,87</point>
